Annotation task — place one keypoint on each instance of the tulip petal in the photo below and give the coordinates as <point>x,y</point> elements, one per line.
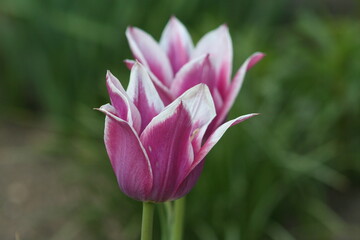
<point>218,44</point>
<point>167,142</point>
<point>164,92</point>
<point>143,94</point>
<point>127,156</point>
<point>215,137</point>
<point>196,168</point>
<point>177,44</point>
<point>217,99</point>
<point>171,134</point>
<point>197,71</point>
<point>189,182</point>
<point>200,105</point>
<point>147,51</point>
<point>235,87</point>
<point>125,108</point>
<point>129,63</point>
<point>256,57</point>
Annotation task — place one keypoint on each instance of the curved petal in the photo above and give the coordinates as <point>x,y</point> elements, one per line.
<point>147,51</point>
<point>143,94</point>
<point>127,156</point>
<point>194,72</point>
<point>199,103</point>
<point>214,138</point>
<point>255,58</point>
<point>125,108</point>
<point>218,44</point>
<point>129,63</point>
<point>189,182</point>
<point>171,133</point>
<point>177,44</point>
<point>167,142</point>
<point>163,91</point>
<point>235,87</point>
<point>217,100</point>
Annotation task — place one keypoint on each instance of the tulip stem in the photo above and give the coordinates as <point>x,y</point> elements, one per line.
<point>177,228</point>
<point>147,221</point>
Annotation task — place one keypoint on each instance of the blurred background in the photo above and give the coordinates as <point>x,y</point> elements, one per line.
<point>291,173</point>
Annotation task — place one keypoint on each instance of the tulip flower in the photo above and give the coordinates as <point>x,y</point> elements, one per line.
<point>176,65</point>
<point>156,151</point>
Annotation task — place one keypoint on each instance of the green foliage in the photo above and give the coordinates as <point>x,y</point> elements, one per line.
<point>269,178</point>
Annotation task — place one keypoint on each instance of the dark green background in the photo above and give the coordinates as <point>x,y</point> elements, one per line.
<point>291,173</point>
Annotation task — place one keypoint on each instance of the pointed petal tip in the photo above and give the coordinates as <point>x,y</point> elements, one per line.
<point>259,55</point>
<point>137,64</point>
<point>175,22</point>
<point>110,78</point>
<point>244,117</point>
<point>105,111</point>
<point>174,19</point>
<point>255,58</point>
<point>129,30</point>
<point>201,87</point>
<point>129,63</point>
<point>224,27</point>
<point>101,109</point>
<point>247,116</point>
<point>108,74</point>
<point>109,111</point>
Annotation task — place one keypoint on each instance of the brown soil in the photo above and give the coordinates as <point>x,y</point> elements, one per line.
<point>35,201</point>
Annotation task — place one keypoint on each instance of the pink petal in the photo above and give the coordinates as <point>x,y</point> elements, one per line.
<point>217,99</point>
<point>129,63</point>
<point>167,142</point>
<point>163,91</point>
<point>218,44</point>
<point>147,51</point>
<point>256,57</point>
<point>199,103</point>
<point>215,137</point>
<point>194,72</point>
<point>127,156</point>
<point>177,44</point>
<point>171,133</point>
<point>143,94</point>
<point>189,182</point>
<point>235,87</point>
<point>125,108</point>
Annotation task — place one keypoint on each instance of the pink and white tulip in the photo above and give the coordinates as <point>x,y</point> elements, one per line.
<point>157,152</point>
<point>177,65</point>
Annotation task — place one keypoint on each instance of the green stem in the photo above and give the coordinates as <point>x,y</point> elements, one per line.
<point>147,221</point>
<point>177,228</point>
<point>166,219</point>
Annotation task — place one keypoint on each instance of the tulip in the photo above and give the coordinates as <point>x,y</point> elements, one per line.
<point>156,151</point>
<point>176,65</point>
